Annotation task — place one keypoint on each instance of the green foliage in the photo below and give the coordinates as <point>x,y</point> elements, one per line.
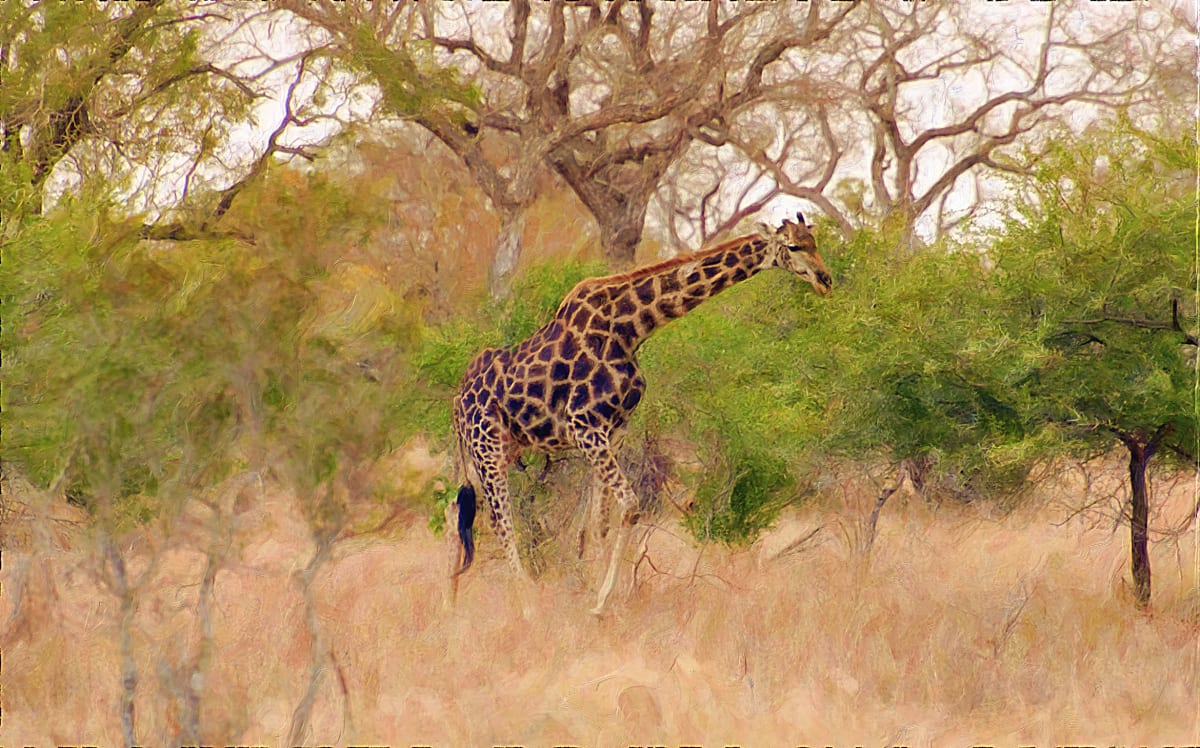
<point>82,77</point>
<point>741,492</point>
<point>729,378</point>
<point>1101,268</point>
<point>1071,327</point>
<point>900,362</point>
<point>138,372</point>
<point>441,500</point>
<point>916,366</point>
<point>101,378</point>
<point>411,80</point>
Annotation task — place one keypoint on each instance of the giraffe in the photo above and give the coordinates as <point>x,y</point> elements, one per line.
<point>573,383</point>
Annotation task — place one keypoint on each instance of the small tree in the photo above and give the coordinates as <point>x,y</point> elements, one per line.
<point>1100,265</point>
<point>138,375</point>
<point>1072,332</point>
<point>149,103</point>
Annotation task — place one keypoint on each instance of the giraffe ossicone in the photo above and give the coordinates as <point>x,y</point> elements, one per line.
<point>574,383</point>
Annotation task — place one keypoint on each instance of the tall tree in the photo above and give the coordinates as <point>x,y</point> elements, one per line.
<point>149,102</point>
<point>909,112</point>
<point>606,96</point>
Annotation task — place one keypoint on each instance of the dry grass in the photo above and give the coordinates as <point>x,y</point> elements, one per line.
<point>961,629</point>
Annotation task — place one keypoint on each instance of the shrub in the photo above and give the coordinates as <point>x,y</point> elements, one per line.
<point>138,372</point>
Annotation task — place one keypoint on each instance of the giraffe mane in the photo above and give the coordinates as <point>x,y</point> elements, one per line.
<point>674,262</point>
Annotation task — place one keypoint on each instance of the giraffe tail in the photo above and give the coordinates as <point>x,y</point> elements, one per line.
<point>466,525</point>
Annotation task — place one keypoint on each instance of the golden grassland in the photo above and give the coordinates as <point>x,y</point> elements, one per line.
<point>964,627</point>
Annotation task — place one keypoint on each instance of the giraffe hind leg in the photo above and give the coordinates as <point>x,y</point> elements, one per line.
<point>629,518</point>
<point>495,491</point>
<point>599,509</point>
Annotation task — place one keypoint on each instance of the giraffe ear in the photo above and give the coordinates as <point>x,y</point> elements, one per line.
<point>766,230</point>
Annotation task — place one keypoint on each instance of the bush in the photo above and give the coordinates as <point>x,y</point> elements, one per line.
<point>139,372</point>
<point>729,378</point>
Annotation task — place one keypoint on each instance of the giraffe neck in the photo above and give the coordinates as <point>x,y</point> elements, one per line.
<point>632,306</point>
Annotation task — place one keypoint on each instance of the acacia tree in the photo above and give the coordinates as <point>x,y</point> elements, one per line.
<point>1101,265</point>
<point>1072,332</point>
<point>604,96</point>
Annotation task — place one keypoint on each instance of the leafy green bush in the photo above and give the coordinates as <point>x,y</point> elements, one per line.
<point>729,378</point>
<point>915,365</point>
<point>139,372</point>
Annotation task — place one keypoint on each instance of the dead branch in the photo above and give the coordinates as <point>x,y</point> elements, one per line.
<point>873,519</point>
<point>798,544</point>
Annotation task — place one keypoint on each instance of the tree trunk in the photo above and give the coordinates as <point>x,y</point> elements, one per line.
<point>1139,459</point>
<point>508,252</point>
<point>129,672</point>
<point>617,195</point>
<point>621,231</point>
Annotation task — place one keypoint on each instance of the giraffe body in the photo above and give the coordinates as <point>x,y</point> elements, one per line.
<point>574,383</point>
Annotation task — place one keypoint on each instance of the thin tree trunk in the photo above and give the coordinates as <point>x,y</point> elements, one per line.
<point>1139,459</point>
<point>129,673</point>
<point>508,252</point>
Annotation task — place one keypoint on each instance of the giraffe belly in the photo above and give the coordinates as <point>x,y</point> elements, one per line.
<point>605,402</point>
<point>543,436</point>
<point>532,423</point>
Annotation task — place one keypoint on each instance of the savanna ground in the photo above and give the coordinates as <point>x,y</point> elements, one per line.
<point>964,627</point>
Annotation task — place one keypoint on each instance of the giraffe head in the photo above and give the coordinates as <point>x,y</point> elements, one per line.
<point>795,249</point>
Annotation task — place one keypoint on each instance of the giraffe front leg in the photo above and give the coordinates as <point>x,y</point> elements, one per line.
<point>609,474</point>
<point>595,524</point>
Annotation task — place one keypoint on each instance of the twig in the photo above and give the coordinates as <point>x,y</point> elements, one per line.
<point>1010,623</point>
<point>795,545</point>
<point>873,520</point>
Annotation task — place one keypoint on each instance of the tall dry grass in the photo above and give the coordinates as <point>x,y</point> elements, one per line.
<point>962,628</point>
